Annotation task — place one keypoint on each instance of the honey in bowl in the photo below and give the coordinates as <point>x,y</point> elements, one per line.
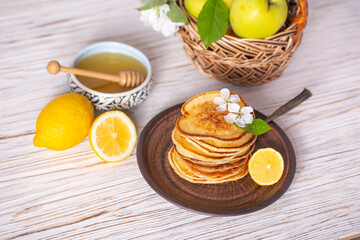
<point>111,63</point>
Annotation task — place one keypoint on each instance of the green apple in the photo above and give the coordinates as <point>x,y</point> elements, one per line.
<point>194,7</point>
<point>228,3</point>
<point>257,18</point>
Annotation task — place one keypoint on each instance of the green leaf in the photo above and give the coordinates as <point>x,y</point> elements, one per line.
<point>257,127</point>
<point>148,4</point>
<point>213,21</point>
<point>176,14</point>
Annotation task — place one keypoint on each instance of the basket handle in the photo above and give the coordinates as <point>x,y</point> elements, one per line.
<point>301,18</point>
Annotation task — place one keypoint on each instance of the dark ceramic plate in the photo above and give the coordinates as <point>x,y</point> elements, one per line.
<point>231,198</point>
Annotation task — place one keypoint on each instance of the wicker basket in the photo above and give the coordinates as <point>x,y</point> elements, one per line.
<point>242,61</point>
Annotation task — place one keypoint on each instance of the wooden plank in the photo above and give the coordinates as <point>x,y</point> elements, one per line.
<point>73,194</point>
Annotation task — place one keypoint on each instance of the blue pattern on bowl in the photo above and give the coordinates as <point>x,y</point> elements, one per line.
<point>103,104</point>
<point>112,101</point>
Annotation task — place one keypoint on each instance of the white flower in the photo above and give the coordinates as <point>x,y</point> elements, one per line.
<point>231,117</point>
<point>227,101</point>
<point>247,114</point>
<point>241,118</point>
<point>157,18</point>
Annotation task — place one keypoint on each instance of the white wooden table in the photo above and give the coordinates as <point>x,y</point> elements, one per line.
<point>73,194</point>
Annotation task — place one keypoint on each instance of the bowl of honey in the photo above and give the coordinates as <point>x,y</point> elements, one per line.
<point>111,58</point>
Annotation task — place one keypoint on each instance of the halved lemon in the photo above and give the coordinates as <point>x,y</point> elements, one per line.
<point>113,136</point>
<point>266,166</point>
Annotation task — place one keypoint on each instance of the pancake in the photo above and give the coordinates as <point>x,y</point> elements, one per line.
<point>201,119</point>
<point>196,148</point>
<point>218,174</point>
<point>223,143</point>
<point>225,150</point>
<point>217,168</point>
<point>216,162</point>
<point>185,172</point>
<point>203,146</point>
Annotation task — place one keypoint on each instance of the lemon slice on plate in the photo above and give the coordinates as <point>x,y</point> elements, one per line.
<point>113,136</point>
<point>266,166</point>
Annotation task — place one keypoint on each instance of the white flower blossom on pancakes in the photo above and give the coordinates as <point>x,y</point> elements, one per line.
<point>241,118</point>
<point>227,101</point>
<point>160,22</point>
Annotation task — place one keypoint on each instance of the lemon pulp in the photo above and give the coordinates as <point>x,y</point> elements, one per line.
<point>266,166</point>
<point>113,136</point>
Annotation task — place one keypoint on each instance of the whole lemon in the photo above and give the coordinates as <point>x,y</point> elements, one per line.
<point>64,122</point>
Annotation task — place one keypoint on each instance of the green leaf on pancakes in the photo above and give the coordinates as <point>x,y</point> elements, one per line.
<point>257,127</point>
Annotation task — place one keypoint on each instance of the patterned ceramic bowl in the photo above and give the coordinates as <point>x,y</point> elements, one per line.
<point>112,101</point>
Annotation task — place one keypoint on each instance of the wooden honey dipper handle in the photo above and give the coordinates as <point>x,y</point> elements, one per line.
<point>124,79</point>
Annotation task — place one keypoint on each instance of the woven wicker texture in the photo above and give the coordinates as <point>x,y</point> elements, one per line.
<point>248,62</point>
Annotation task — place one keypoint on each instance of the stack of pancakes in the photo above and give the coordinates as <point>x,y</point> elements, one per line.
<point>206,148</point>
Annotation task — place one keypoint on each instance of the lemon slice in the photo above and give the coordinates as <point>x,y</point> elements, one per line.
<point>266,166</point>
<point>113,136</point>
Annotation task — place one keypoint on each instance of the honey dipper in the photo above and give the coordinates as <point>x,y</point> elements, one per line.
<point>124,79</point>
